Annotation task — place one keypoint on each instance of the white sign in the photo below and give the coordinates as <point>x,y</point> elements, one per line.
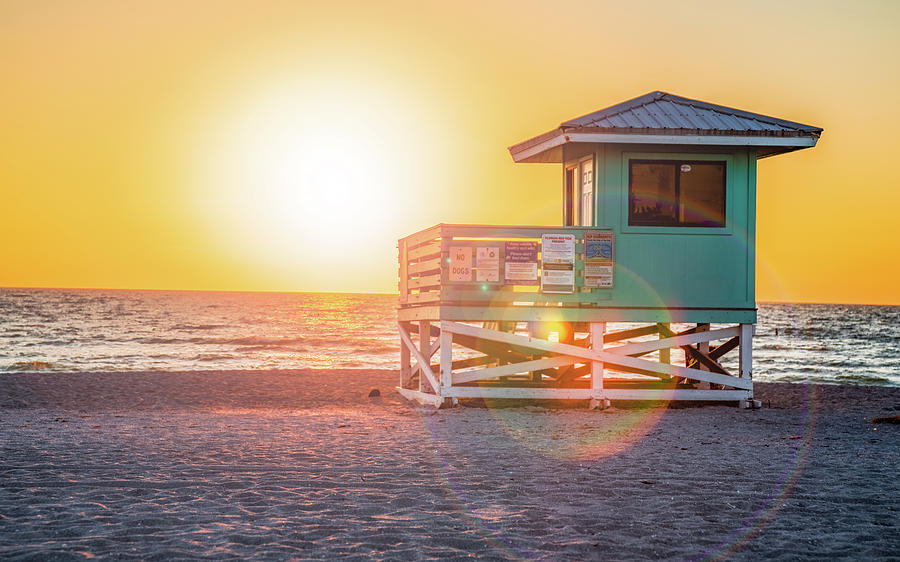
<point>487,264</point>
<point>460,263</point>
<point>598,276</point>
<point>558,281</point>
<point>558,263</point>
<point>521,273</point>
<point>558,248</point>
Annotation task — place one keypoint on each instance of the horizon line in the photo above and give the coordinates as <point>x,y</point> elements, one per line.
<point>275,291</point>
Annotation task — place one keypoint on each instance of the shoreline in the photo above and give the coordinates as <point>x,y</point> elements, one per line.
<point>283,388</point>
<point>304,464</point>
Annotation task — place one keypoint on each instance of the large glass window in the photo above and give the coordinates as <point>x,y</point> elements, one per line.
<point>676,193</point>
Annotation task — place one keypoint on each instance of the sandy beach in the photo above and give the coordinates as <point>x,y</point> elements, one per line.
<point>304,465</point>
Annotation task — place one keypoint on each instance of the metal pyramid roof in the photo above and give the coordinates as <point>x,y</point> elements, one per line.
<point>660,110</point>
<point>663,118</point>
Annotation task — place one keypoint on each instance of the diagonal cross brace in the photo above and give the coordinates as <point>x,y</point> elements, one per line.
<point>606,357</point>
<point>423,364</point>
<point>697,337</point>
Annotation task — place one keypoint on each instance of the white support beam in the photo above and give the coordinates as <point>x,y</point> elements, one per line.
<point>423,363</point>
<point>598,398</point>
<point>746,351</point>
<point>675,394</point>
<point>648,394</point>
<point>421,397</point>
<point>515,339</point>
<point>445,342</point>
<point>703,348</point>
<point>665,355</point>
<point>633,363</point>
<point>675,341</point>
<point>405,368</point>
<point>435,345</point>
<point>424,348</point>
<point>513,368</point>
<point>610,359</point>
<point>518,392</point>
<point>424,345</point>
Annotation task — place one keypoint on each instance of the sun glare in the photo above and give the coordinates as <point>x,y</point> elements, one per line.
<point>307,173</point>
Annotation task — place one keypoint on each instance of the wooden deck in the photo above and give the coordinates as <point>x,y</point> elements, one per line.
<point>478,298</point>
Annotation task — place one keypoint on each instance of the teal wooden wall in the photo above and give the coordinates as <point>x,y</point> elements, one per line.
<point>676,267</point>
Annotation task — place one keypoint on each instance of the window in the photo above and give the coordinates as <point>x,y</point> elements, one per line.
<point>578,193</point>
<point>569,196</point>
<point>676,193</point>
<point>586,205</point>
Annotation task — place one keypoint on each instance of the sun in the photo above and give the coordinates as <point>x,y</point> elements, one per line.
<point>307,171</point>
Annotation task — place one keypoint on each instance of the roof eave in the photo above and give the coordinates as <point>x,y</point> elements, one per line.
<point>547,148</point>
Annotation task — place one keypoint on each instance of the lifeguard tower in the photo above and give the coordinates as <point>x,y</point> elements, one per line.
<point>656,253</point>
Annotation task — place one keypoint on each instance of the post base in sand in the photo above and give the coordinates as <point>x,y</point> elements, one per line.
<point>750,404</point>
<point>599,404</point>
<point>422,398</point>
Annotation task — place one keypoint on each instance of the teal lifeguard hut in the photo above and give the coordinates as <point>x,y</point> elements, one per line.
<point>655,254</point>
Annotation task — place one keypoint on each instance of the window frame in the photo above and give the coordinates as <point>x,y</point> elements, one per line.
<point>676,165</point>
<point>577,166</point>
<point>570,207</point>
<point>592,212</point>
<point>676,158</point>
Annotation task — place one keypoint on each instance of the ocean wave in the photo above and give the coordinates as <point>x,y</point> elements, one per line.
<point>161,341</point>
<point>208,357</point>
<point>857,378</point>
<point>198,327</point>
<point>274,347</point>
<point>262,340</point>
<point>34,366</point>
<point>246,341</point>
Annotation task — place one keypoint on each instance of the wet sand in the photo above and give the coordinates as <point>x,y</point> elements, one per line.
<point>302,464</point>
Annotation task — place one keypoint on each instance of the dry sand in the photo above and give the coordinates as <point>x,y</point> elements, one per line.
<point>280,465</point>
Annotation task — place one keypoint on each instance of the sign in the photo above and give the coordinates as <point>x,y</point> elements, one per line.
<point>521,263</point>
<point>460,263</point>
<point>558,263</point>
<point>487,264</point>
<point>599,256</point>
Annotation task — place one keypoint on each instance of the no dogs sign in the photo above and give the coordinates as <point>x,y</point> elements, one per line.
<point>460,263</point>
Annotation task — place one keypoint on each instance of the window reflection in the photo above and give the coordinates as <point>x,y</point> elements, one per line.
<point>676,193</point>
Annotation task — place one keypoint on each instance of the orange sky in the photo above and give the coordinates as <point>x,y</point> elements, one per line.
<point>278,146</point>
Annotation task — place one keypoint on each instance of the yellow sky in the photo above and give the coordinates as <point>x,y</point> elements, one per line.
<point>282,146</point>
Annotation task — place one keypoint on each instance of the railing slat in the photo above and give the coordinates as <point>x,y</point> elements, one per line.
<point>423,266</point>
<point>423,236</point>
<point>421,298</point>
<point>425,250</point>
<point>424,281</point>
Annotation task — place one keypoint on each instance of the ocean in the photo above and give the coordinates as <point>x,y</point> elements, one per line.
<point>68,330</point>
